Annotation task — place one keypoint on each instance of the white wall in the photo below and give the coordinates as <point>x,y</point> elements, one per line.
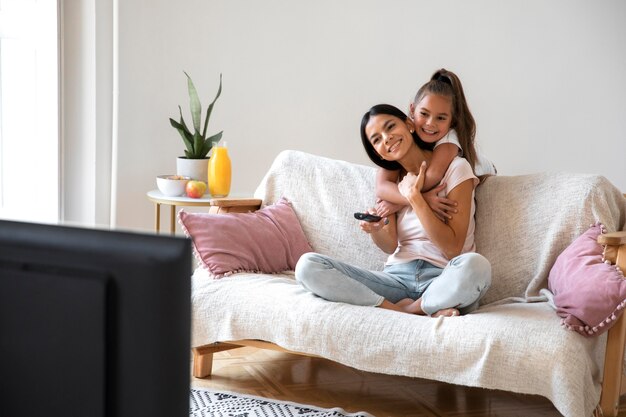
<point>546,81</point>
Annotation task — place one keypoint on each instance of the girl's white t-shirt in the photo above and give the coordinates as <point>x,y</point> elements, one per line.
<point>483,166</point>
<point>413,242</point>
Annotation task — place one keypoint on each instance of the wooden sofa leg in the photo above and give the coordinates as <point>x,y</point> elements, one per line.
<point>202,364</point>
<point>615,252</point>
<point>203,358</point>
<point>612,381</point>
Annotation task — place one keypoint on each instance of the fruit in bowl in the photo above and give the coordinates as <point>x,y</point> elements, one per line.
<point>172,185</point>
<point>195,189</point>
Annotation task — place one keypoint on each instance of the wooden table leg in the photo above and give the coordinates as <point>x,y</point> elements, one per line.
<point>173,220</point>
<point>157,218</point>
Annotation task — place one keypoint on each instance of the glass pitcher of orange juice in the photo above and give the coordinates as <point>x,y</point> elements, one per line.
<point>219,171</point>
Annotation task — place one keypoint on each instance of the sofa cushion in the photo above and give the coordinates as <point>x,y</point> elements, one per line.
<point>269,240</point>
<point>589,294</point>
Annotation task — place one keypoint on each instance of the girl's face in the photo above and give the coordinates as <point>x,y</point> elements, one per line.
<point>389,136</point>
<point>432,117</point>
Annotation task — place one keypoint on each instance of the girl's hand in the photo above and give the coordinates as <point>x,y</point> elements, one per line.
<point>442,207</point>
<point>411,185</point>
<point>407,185</point>
<point>385,208</point>
<point>421,177</point>
<point>373,227</point>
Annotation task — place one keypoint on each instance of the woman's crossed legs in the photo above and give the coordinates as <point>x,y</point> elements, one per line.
<point>416,287</point>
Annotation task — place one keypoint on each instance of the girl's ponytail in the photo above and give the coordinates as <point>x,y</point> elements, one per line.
<point>446,83</point>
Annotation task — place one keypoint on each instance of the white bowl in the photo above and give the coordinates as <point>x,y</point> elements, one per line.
<point>172,185</point>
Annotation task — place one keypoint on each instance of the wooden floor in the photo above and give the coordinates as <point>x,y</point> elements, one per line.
<point>327,384</point>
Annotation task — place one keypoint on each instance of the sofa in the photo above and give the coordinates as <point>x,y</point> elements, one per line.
<point>515,341</point>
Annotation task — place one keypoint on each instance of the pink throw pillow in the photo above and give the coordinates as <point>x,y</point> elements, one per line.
<point>269,240</point>
<point>589,294</point>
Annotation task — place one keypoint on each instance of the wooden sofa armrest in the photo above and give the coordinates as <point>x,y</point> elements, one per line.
<point>612,243</point>
<point>613,239</point>
<point>234,205</point>
<point>614,383</point>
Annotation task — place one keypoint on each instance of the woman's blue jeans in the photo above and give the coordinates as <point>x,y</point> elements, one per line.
<point>460,284</point>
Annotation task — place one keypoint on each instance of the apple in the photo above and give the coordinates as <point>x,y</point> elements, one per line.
<point>195,189</point>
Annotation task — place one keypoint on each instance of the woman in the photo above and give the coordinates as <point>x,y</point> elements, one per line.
<point>432,269</point>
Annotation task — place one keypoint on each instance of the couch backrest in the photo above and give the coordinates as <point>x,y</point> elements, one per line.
<point>522,222</point>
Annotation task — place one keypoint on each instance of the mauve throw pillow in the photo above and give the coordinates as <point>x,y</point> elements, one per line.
<point>269,240</point>
<point>589,294</point>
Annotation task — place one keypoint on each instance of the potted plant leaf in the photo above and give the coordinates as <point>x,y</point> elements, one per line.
<point>194,163</point>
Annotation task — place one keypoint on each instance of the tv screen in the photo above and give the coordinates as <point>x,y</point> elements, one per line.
<point>93,322</point>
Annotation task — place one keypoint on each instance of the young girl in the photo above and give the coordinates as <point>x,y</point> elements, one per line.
<point>441,116</point>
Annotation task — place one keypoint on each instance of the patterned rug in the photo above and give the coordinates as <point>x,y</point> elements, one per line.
<point>229,404</point>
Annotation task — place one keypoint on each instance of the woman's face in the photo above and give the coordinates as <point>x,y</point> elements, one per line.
<point>389,135</point>
<point>432,116</point>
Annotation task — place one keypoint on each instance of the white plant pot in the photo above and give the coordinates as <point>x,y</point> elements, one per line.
<point>196,169</point>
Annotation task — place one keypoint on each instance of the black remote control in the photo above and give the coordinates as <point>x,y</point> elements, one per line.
<point>367,217</point>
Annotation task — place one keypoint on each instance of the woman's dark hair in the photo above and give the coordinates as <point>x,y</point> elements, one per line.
<point>445,83</point>
<point>369,149</point>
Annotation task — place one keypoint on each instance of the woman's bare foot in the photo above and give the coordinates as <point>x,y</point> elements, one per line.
<point>405,302</point>
<point>447,312</point>
<point>406,305</point>
<point>414,307</point>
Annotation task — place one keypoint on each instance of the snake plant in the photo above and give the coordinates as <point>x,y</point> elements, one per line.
<point>197,144</point>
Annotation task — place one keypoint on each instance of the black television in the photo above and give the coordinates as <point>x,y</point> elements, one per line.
<point>93,322</point>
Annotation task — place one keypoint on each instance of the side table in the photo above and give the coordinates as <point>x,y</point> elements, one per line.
<point>216,205</point>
